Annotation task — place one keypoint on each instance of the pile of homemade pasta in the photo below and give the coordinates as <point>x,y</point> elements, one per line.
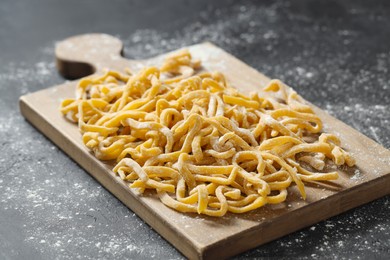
<point>199,143</point>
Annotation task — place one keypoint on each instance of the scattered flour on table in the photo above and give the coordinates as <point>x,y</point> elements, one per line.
<point>53,196</point>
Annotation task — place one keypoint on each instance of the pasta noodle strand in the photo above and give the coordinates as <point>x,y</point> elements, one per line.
<point>203,146</point>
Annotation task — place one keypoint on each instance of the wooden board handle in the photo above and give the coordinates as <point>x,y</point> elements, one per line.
<point>82,55</point>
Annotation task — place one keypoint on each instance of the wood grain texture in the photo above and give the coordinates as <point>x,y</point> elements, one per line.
<point>202,237</point>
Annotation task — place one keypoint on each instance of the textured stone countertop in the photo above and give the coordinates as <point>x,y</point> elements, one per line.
<point>336,54</point>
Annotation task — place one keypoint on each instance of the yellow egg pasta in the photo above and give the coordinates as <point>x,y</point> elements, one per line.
<point>203,146</point>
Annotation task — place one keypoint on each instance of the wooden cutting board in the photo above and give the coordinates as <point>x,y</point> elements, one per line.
<point>202,237</point>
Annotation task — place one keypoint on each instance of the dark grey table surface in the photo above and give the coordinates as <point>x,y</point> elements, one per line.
<point>335,53</point>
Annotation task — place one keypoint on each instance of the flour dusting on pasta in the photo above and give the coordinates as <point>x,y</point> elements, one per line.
<point>203,146</point>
